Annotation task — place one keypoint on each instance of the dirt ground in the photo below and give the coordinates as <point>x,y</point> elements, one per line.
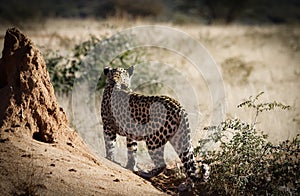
<point>36,168</point>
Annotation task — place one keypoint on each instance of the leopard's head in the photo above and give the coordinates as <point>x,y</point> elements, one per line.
<point>118,77</point>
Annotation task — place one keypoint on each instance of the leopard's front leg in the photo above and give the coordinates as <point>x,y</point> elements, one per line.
<point>131,153</point>
<point>110,142</point>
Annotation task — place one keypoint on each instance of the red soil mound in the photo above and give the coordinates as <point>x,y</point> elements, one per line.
<point>27,97</point>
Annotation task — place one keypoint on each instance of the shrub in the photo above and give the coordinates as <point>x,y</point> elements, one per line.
<point>246,163</point>
<point>64,70</point>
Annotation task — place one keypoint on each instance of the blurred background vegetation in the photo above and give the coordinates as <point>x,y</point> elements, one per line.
<point>178,11</point>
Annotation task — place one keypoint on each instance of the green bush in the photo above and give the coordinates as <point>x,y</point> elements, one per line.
<point>64,70</point>
<point>246,163</point>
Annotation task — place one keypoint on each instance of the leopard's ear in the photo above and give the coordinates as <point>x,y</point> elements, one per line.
<point>106,70</point>
<point>130,70</point>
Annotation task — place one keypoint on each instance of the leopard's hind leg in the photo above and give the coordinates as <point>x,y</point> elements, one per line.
<point>157,156</point>
<point>182,143</point>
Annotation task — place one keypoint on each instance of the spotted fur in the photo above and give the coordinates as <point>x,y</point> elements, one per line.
<point>153,119</point>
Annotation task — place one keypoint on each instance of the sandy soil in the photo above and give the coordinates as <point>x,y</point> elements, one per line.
<point>32,167</point>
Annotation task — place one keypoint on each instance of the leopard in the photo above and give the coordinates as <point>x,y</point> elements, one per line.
<point>154,119</point>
